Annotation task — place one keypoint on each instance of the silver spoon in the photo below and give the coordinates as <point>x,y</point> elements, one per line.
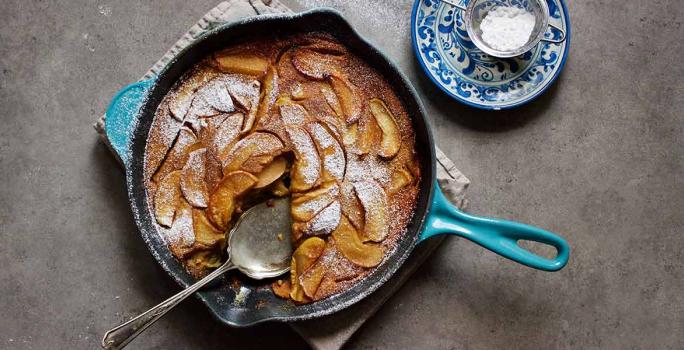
<point>258,245</point>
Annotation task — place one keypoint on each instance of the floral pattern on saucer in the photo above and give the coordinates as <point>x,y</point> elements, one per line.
<point>469,75</point>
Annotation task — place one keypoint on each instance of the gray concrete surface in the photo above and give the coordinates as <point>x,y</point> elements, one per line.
<point>598,158</point>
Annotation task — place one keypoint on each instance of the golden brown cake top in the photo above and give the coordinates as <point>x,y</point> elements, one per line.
<point>297,116</point>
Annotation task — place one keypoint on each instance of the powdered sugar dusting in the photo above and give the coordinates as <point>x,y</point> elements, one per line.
<point>314,205</point>
<point>227,132</point>
<point>308,165</point>
<point>374,201</point>
<point>192,182</point>
<point>325,222</point>
<point>293,114</point>
<point>211,99</point>
<point>330,150</point>
<point>181,232</point>
<point>360,167</point>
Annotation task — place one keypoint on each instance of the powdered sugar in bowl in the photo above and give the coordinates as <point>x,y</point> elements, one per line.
<point>507,28</point>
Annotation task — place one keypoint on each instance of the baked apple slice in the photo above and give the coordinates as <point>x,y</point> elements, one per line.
<point>351,206</point>
<point>271,172</point>
<point>226,133</point>
<point>205,232</point>
<point>269,93</point>
<point>181,236</point>
<point>312,278</point>
<point>192,183</point>
<point>330,151</point>
<point>176,157</point>
<point>349,100</point>
<point>369,135</point>
<point>246,93</point>
<point>222,200</point>
<point>306,171</point>
<point>331,99</point>
<point>400,178</point>
<point>242,63</point>
<point>305,206</point>
<point>167,198</point>
<point>303,257</point>
<point>257,144</point>
<point>325,222</point>
<point>211,99</point>
<point>182,99</point>
<point>294,114</point>
<point>350,245</point>
<point>391,137</point>
<point>374,202</point>
<point>314,65</point>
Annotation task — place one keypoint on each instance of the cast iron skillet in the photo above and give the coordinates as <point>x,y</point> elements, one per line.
<point>128,122</point>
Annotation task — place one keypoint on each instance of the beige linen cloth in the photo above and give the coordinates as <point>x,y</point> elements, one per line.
<point>330,332</point>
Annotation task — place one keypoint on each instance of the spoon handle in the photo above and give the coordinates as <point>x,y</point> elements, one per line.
<point>119,336</point>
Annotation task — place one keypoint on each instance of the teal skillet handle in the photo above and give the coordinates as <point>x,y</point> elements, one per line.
<point>499,236</point>
<point>122,115</point>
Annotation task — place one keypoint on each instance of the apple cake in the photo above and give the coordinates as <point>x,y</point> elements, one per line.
<point>297,116</point>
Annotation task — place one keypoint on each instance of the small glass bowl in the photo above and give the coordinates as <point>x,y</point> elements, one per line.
<point>476,10</point>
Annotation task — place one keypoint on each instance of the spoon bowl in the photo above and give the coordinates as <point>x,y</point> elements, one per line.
<point>259,244</point>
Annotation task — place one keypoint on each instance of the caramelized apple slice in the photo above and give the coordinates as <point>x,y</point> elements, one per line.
<point>242,63</point>
<point>351,206</point>
<point>374,201</point>
<point>167,198</point>
<point>349,101</point>
<point>332,100</point>
<point>314,65</point>
<point>305,206</point>
<point>311,279</point>
<point>225,135</point>
<point>269,92</point>
<point>391,138</point>
<point>205,232</point>
<point>294,114</point>
<point>255,145</point>
<point>180,236</point>
<point>334,125</point>
<point>350,245</point>
<point>325,222</point>
<point>211,99</point>
<point>192,179</point>
<point>369,137</point>
<point>222,200</point>
<point>246,93</point>
<point>271,172</point>
<point>241,182</point>
<point>400,178</point>
<point>177,155</point>
<point>182,99</point>
<point>330,151</point>
<point>307,166</point>
<point>303,257</point>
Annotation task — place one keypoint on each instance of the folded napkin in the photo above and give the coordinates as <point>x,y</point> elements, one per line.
<point>330,332</point>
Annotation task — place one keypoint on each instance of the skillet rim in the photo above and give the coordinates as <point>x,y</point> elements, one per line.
<point>140,205</point>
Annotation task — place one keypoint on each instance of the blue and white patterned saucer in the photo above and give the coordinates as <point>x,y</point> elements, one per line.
<point>469,75</point>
